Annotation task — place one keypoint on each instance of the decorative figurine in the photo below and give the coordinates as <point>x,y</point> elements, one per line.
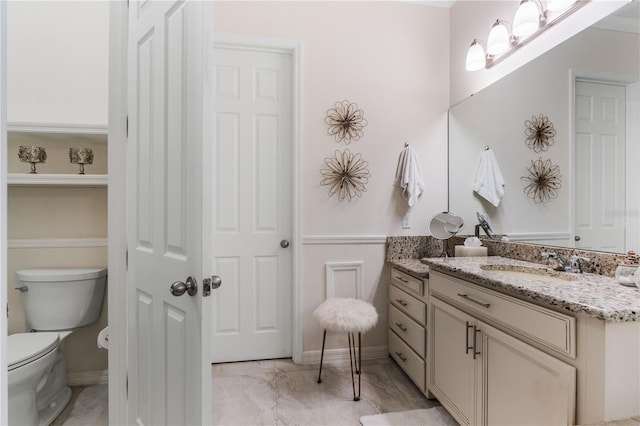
<point>81,156</point>
<point>33,155</point>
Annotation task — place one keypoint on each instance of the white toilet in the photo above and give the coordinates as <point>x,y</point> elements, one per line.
<point>56,301</point>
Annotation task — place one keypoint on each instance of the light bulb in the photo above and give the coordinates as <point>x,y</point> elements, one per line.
<point>476,58</point>
<point>527,19</point>
<point>498,41</point>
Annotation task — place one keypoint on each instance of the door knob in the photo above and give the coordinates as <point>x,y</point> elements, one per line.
<point>209,284</point>
<point>577,238</point>
<point>284,243</point>
<point>179,288</point>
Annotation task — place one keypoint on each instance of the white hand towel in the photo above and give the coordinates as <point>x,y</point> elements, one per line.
<point>409,176</point>
<point>489,181</point>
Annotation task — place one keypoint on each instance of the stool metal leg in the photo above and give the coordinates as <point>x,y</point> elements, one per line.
<point>354,363</point>
<point>324,337</point>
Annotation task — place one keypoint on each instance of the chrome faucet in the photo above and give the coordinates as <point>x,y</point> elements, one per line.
<point>556,263</point>
<point>576,263</point>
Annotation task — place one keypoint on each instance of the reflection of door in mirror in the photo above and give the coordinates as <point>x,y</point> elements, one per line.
<point>609,50</point>
<point>600,166</point>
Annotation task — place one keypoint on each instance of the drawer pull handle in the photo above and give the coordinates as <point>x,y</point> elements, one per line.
<point>402,279</point>
<point>402,302</point>
<point>471,299</point>
<point>401,327</point>
<point>466,336</point>
<point>402,357</point>
<point>475,334</point>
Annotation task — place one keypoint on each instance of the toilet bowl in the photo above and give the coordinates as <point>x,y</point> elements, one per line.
<point>56,302</point>
<point>36,389</point>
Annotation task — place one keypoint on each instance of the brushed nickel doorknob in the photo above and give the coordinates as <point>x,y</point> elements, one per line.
<point>179,288</point>
<point>284,243</point>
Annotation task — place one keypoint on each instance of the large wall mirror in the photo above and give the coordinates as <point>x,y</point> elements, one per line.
<point>589,89</point>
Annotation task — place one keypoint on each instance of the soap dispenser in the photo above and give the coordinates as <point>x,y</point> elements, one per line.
<point>627,271</point>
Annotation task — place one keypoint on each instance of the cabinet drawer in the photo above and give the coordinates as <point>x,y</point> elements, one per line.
<point>408,304</point>
<point>407,282</point>
<point>551,329</point>
<point>409,330</point>
<point>408,360</point>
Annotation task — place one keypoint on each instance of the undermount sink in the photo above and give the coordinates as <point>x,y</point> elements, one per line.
<point>529,273</point>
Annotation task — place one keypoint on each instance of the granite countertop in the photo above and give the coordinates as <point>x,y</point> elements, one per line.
<point>412,267</point>
<point>593,295</point>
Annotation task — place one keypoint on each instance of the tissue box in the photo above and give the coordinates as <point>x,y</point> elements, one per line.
<point>464,251</point>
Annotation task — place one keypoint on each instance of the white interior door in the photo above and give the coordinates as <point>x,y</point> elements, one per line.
<point>252,214</point>
<point>600,166</point>
<point>169,377</point>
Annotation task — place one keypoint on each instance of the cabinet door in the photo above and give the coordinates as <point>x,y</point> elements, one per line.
<point>523,385</point>
<point>452,369</point>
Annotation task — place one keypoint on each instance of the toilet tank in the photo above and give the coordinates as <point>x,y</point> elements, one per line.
<point>61,299</point>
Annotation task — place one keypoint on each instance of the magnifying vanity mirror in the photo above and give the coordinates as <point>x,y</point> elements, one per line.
<point>588,87</point>
<point>443,226</point>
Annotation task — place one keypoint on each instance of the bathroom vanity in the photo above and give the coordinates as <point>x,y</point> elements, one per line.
<point>408,321</point>
<point>508,340</point>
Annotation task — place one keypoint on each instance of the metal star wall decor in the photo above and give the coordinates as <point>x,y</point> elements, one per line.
<point>346,174</point>
<point>544,181</point>
<point>345,122</point>
<point>540,133</point>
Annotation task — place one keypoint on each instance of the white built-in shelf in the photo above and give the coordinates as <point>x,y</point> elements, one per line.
<point>36,133</point>
<point>18,179</point>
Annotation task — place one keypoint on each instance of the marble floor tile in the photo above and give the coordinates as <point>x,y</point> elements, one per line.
<point>279,392</point>
<point>88,406</point>
<point>244,400</point>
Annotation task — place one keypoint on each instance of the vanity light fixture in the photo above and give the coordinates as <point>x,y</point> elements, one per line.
<point>530,20</point>
<point>556,5</point>
<point>500,38</point>
<point>476,57</point>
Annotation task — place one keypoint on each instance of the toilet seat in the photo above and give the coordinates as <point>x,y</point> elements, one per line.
<point>23,348</point>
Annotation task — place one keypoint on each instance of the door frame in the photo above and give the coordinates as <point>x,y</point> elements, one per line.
<point>293,48</point>
<point>576,74</point>
<point>4,398</point>
<point>117,213</point>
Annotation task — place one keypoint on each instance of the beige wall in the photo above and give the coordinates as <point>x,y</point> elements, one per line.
<point>391,58</point>
<point>57,61</point>
<point>57,75</point>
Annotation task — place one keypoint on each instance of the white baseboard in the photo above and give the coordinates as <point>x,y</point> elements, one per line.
<point>88,378</point>
<point>341,356</point>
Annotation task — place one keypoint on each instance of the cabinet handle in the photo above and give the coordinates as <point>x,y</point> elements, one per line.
<point>470,299</point>
<point>402,279</point>
<point>466,336</point>
<point>402,357</point>
<point>401,327</point>
<point>402,302</point>
<point>475,334</point>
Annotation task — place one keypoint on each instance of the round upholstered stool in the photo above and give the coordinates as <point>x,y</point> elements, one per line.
<point>351,316</point>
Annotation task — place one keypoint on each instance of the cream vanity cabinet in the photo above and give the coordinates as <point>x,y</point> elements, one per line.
<point>486,376</point>
<point>408,325</point>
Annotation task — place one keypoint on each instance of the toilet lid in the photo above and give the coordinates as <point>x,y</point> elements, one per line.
<point>23,348</point>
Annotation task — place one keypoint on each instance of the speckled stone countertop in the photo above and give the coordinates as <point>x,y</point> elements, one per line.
<point>593,295</point>
<point>412,267</point>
